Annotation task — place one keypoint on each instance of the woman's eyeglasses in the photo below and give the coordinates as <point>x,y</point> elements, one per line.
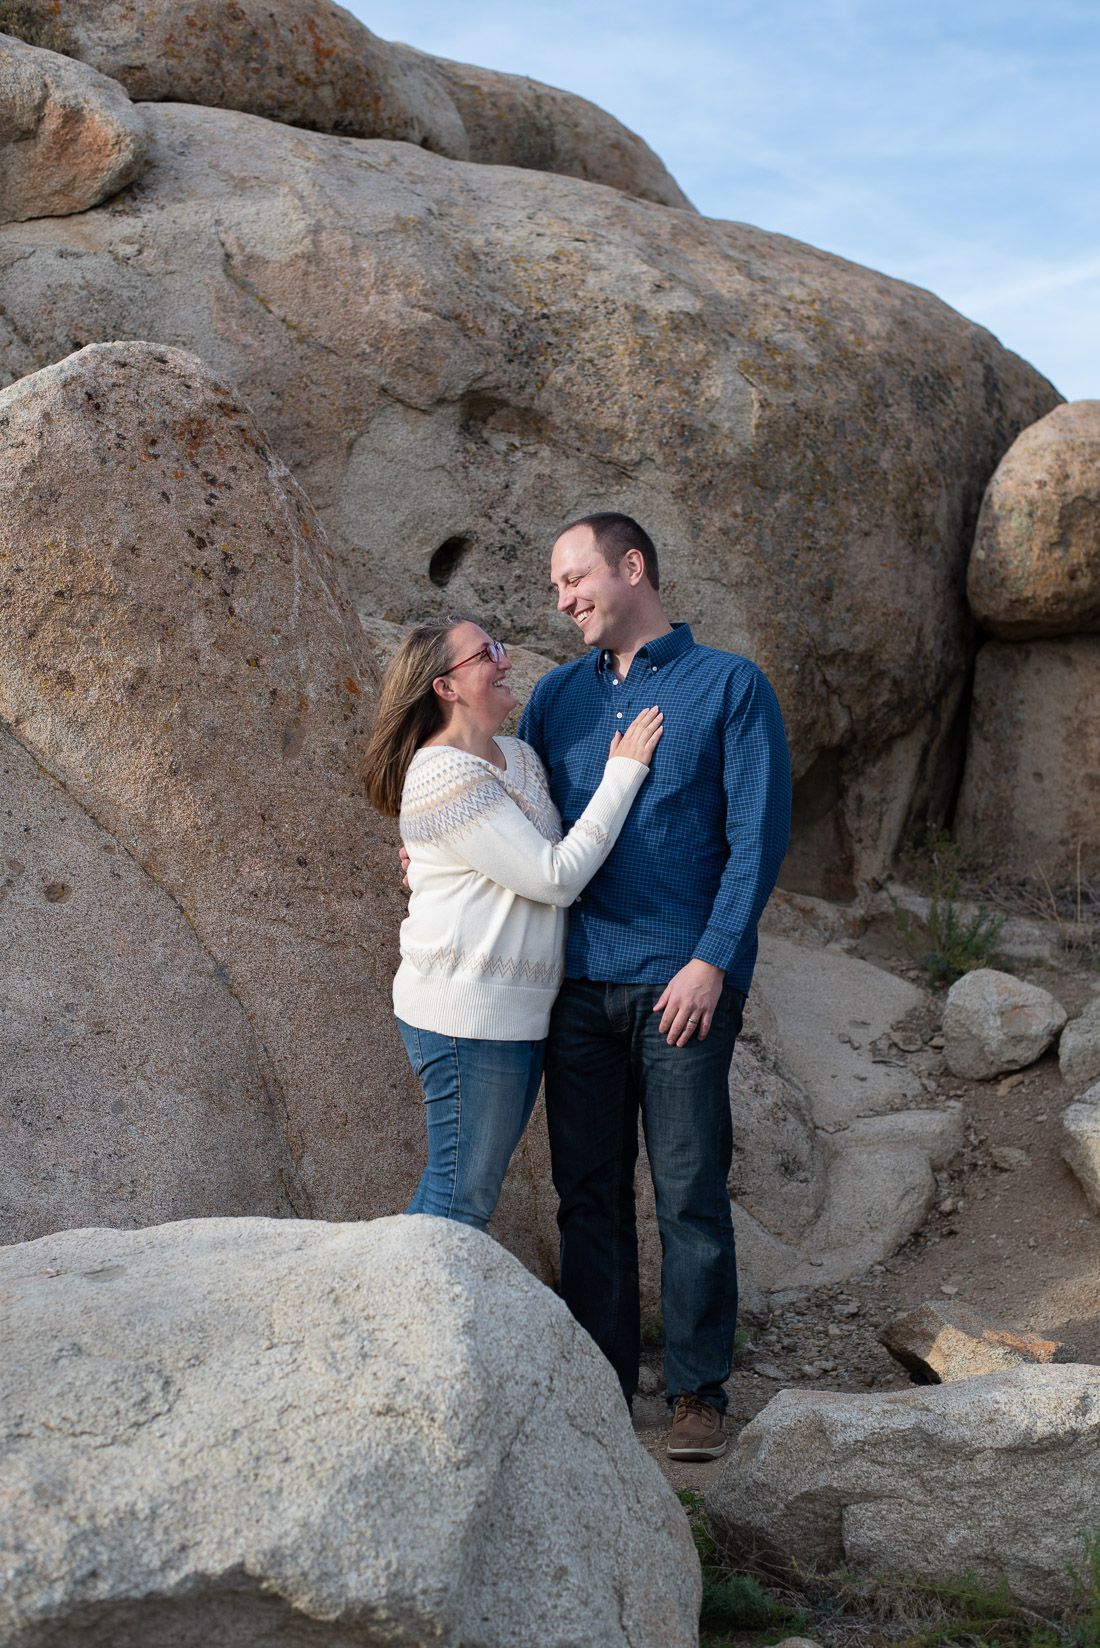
<point>494,651</point>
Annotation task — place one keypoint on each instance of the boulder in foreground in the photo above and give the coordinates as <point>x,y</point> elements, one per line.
<point>998,1478</point>
<point>69,137</point>
<point>258,1431</point>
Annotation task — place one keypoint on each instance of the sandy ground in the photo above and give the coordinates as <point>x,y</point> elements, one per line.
<point>1012,1237</point>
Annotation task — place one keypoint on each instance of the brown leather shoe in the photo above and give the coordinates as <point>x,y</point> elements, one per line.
<point>696,1430</point>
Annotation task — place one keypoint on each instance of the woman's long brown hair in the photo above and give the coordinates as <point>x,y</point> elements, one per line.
<point>408,712</point>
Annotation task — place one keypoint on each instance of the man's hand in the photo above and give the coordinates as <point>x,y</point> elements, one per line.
<point>405,862</point>
<point>687,1002</point>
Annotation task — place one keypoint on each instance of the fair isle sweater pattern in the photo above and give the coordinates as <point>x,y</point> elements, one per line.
<point>444,798</point>
<point>482,946</point>
<point>546,973</point>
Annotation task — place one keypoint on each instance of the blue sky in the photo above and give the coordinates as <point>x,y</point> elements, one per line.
<point>953,145</point>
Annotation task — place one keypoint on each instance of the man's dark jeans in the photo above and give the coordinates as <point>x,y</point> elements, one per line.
<point>605,1060</point>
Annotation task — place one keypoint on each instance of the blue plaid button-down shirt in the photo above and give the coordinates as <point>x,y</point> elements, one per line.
<point>701,847</point>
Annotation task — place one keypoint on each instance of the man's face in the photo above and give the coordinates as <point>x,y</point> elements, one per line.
<point>598,598</point>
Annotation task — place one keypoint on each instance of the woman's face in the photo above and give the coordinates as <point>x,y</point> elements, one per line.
<point>479,685</point>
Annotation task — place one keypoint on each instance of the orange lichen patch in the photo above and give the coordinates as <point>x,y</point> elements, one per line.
<point>352,686</point>
<point>193,434</point>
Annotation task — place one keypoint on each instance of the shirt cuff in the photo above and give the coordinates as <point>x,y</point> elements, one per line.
<point>718,947</point>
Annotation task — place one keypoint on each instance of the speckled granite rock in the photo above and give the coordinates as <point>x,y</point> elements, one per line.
<point>244,1430</point>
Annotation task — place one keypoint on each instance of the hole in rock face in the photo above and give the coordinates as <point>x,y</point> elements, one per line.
<point>445,562</point>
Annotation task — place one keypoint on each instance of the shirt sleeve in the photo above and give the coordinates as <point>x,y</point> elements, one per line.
<point>756,777</point>
<point>530,723</point>
<point>490,834</point>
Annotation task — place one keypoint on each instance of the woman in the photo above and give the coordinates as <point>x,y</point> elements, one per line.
<point>482,947</point>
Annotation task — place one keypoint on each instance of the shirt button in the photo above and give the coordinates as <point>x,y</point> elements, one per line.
<point>652,669</point>
<point>618,715</point>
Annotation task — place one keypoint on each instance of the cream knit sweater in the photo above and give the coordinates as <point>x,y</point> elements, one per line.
<point>483,945</point>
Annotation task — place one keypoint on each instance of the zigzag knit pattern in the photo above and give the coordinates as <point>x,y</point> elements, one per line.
<point>448,795</point>
<point>485,965</point>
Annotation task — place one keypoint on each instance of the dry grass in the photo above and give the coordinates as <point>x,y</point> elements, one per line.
<point>751,1605</point>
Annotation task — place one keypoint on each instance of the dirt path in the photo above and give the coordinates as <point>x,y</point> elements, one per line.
<point>1012,1236</point>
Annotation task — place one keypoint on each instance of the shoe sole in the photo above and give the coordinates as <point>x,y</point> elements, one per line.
<point>700,1454</point>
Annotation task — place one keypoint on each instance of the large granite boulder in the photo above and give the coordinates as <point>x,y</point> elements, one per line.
<point>1035,566</point>
<point>996,1478</point>
<point>455,359</point>
<point>69,137</point>
<point>132,1087</point>
<point>259,1431</point>
<point>311,63</point>
<point>175,651</point>
<point>1030,797</point>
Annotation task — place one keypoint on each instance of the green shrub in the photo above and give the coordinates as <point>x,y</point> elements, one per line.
<point>960,941</point>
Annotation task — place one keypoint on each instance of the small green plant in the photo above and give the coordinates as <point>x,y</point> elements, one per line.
<point>1085,1631</point>
<point>960,943</point>
<point>653,1332</point>
<point>740,1603</point>
<point>732,1602</point>
<point>960,937</point>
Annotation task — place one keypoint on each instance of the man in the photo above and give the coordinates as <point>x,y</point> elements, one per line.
<point>661,950</point>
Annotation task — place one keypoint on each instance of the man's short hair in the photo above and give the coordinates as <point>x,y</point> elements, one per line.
<point>615,534</point>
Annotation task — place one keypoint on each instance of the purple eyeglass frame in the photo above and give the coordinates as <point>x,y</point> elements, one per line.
<point>495,651</point>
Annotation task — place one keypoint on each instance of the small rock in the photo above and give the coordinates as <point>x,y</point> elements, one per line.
<point>1006,1158</point>
<point>1079,1047</point>
<point>768,1370</point>
<point>907,1040</point>
<point>649,1381</point>
<point>787,1298</point>
<point>1081,1145</point>
<point>949,1289</point>
<point>1009,1083</point>
<point>936,1040</point>
<point>994,1022</point>
<point>938,1343</point>
<point>846,1307</point>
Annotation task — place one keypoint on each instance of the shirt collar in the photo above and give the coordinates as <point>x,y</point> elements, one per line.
<point>660,651</point>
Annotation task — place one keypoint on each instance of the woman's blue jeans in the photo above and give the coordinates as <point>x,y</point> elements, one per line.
<point>478,1098</point>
